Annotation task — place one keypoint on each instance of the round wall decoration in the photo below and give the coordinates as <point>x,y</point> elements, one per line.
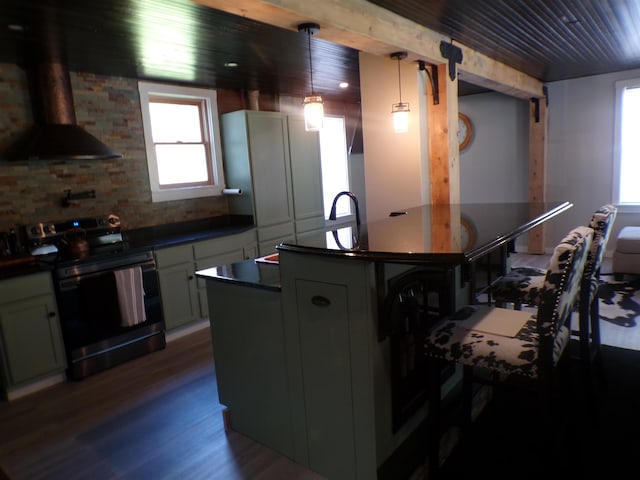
<point>469,234</point>
<point>465,131</point>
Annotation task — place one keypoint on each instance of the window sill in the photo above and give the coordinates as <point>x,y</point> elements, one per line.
<point>184,194</point>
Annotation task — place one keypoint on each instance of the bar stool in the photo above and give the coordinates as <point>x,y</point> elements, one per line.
<point>510,344</point>
<point>522,286</point>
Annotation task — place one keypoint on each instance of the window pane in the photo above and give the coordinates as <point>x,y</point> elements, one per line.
<point>172,123</point>
<point>181,164</point>
<point>630,146</point>
<point>335,172</point>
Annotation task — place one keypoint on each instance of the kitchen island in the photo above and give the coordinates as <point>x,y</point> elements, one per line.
<point>322,361</point>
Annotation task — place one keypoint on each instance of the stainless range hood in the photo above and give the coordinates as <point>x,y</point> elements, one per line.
<point>55,134</point>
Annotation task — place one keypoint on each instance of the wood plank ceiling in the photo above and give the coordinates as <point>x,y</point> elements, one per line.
<point>548,39</point>
<point>181,41</point>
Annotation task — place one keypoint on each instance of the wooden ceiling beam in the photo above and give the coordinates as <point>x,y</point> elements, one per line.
<point>369,28</point>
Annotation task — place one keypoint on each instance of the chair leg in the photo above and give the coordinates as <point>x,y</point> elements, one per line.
<point>467,398</point>
<point>594,316</point>
<point>584,339</point>
<point>433,418</point>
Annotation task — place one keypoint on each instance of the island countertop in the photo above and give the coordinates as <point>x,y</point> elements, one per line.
<point>437,234</point>
<point>248,273</point>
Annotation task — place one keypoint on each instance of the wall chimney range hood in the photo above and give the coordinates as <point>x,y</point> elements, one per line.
<point>55,134</point>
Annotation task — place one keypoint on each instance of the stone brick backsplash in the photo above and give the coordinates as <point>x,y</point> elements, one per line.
<point>109,108</point>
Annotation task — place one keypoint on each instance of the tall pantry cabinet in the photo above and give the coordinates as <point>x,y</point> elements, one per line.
<point>276,164</point>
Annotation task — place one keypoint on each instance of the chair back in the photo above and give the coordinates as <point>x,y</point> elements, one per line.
<point>601,222</point>
<point>562,282</point>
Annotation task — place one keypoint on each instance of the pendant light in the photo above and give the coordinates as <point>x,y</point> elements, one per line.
<point>400,110</point>
<point>313,104</point>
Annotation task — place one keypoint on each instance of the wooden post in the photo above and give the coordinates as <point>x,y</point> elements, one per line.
<point>444,157</point>
<point>537,162</point>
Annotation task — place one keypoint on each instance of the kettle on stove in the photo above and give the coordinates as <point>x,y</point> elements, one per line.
<point>74,244</point>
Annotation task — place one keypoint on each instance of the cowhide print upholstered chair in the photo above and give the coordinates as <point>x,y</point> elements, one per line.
<point>509,344</point>
<point>522,286</point>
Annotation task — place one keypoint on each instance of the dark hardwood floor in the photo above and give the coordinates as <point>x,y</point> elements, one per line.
<point>156,417</point>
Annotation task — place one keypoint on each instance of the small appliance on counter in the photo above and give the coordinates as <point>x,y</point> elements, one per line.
<point>13,252</point>
<point>12,242</point>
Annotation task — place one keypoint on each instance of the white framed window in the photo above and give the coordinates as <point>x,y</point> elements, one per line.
<point>627,145</point>
<point>182,139</point>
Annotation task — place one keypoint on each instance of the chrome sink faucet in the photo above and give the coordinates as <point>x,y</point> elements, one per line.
<point>332,214</point>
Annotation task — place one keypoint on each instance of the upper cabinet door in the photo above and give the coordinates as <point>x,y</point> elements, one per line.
<point>306,173</point>
<point>276,163</point>
<point>256,152</point>
<point>270,168</point>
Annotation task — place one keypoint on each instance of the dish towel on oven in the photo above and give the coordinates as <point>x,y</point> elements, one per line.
<point>130,296</point>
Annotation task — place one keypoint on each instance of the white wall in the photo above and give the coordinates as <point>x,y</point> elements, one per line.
<point>394,172</point>
<point>581,149</point>
<point>579,158</point>
<point>494,167</point>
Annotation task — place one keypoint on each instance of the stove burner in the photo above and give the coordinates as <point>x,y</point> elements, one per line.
<point>44,238</point>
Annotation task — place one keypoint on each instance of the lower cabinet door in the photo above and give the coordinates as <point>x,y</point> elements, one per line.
<point>31,339</point>
<point>179,292</point>
<point>324,337</point>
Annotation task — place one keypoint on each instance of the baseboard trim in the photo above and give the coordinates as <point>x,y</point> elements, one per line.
<point>186,330</point>
<point>23,391</point>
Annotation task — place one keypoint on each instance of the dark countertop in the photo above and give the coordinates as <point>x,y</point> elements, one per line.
<point>145,238</point>
<point>248,273</point>
<point>23,269</point>
<point>431,234</point>
<point>423,235</point>
<point>185,232</point>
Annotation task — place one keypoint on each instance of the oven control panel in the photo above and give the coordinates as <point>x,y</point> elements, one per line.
<point>38,233</point>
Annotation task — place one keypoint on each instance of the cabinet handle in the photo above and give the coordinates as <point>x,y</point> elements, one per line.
<point>52,314</point>
<point>190,277</point>
<point>320,301</point>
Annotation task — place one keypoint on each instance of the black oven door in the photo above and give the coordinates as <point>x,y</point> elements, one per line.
<point>94,334</point>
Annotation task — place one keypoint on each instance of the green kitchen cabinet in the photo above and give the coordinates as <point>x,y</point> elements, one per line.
<point>306,176</point>
<point>184,299</point>
<point>221,251</point>
<point>178,287</point>
<point>251,365</point>
<point>304,370</point>
<point>276,164</point>
<point>341,392</point>
<point>327,310</point>
<point>31,344</point>
<point>326,361</point>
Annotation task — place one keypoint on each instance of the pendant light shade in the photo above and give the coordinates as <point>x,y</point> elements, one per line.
<point>400,110</point>
<point>313,113</point>
<point>313,104</point>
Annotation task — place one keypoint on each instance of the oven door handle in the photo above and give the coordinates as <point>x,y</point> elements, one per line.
<point>71,282</point>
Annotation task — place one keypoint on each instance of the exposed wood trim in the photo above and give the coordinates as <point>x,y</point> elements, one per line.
<point>369,28</point>
<point>537,161</point>
<point>444,165</point>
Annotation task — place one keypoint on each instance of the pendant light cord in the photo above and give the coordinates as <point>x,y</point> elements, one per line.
<point>310,62</point>
<point>399,82</point>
